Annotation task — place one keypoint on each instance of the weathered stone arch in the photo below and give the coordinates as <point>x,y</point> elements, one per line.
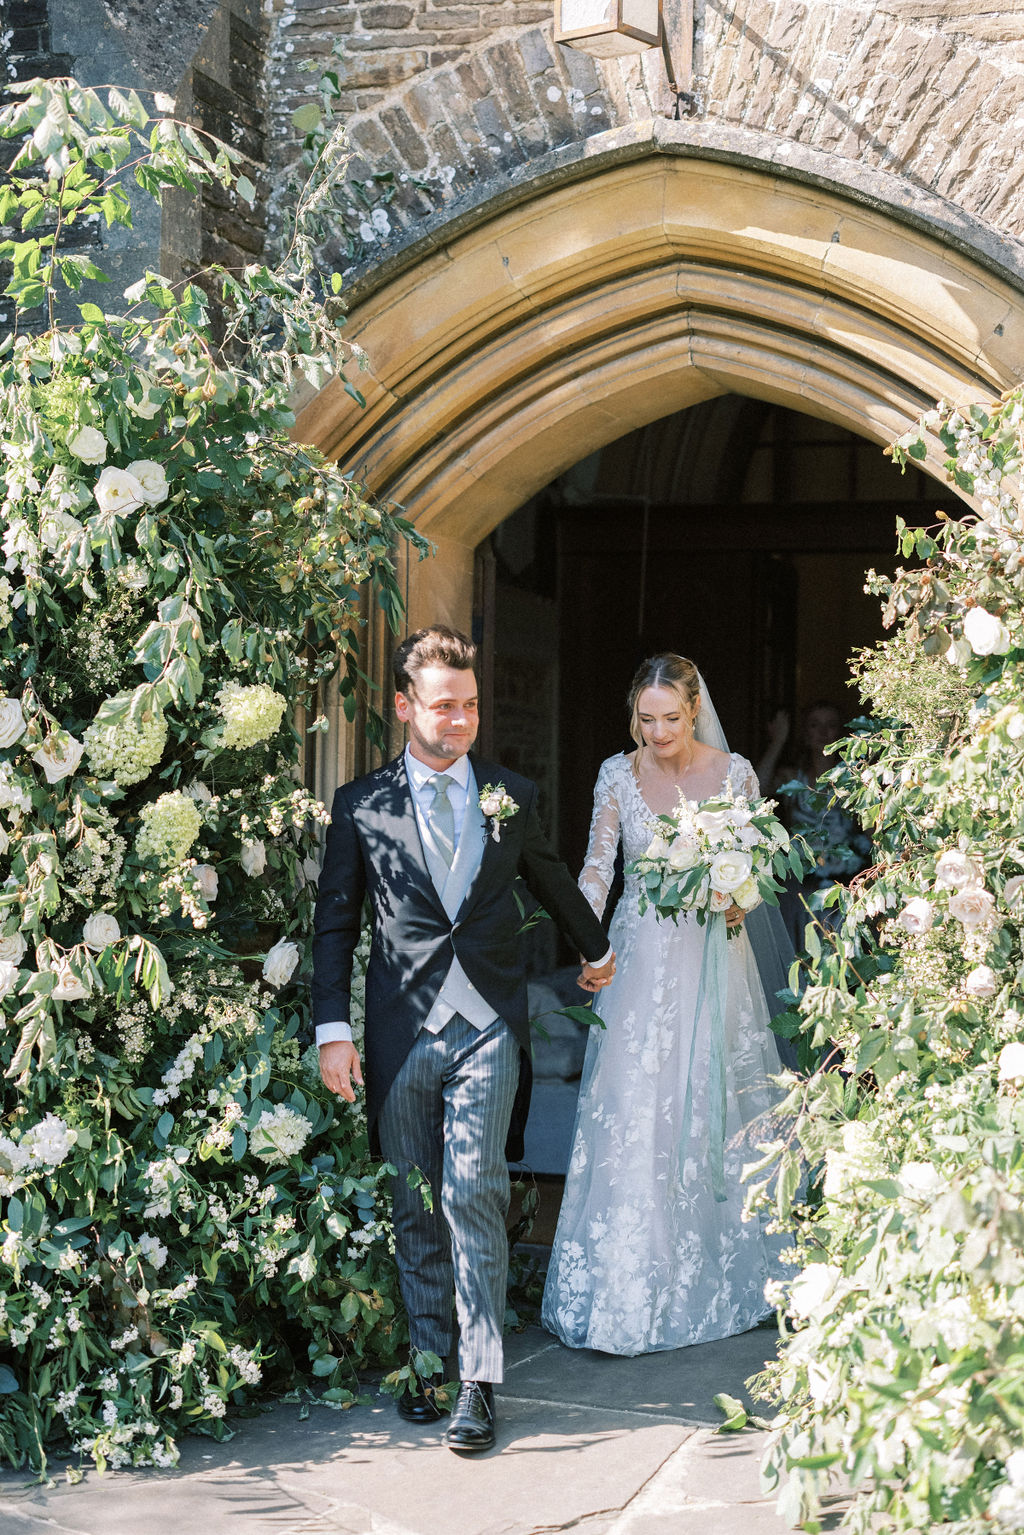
<point>639,284</point>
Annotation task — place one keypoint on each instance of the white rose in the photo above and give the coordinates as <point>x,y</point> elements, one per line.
<point>719,901</point>
<point>981,982</point>
<point>58,756</point>
<point>917,916</point>
<point>972,906</point>
<point>657,848</point>
<point>70,987</point>
<point>152,478</point>
<point>812,1288</point>
<point>12,721</point>
<point>12,948</point>
<point>8,976</point>
<point>953,870</point>
<point>1012,888</point>
<point>713,822</point>
<point>145,408</point>
<point>730,869</point>
<point>100,931</point>
<point>280,963</point>
<point>89,445</point>
<point>986,634</point>
<point>747,894</point>
<point>491,805</point>
<point>748,836</point>
<point>118,491</point>
<point>208,880</point>
<point>56,527</point>
<point>1011,1062</point>
<point>253,858</point>
<point>682,854</point>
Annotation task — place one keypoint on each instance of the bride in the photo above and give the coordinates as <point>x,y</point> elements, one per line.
<point>645,1257</point>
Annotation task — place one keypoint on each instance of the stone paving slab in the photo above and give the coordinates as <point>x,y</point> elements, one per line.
<point>598,1445</point>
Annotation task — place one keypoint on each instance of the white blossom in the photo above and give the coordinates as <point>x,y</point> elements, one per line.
<point>208,880</point>
<point>89,445</point>
<point>917,916</point>
<point>12,721</point>
<point>278,1134</point>
<point>986,634</point>
<point>100,930</point>
<point>118,491</point>
<point>253,858</point>
<point>1011,1062</point>
<point>280,963</point>
<point>973,906</point>
<point>153,479</point>
<point>58,756</point>
<point>981,982</point>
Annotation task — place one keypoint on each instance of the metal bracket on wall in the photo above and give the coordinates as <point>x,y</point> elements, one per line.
<point>677,53</point>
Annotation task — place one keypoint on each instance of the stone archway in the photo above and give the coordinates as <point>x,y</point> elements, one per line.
<point>645,280</point>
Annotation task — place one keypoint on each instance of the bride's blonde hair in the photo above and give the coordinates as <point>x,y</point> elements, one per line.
<point>665,671</point>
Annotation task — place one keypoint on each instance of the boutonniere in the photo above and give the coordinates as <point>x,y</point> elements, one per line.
<point>497,805</point>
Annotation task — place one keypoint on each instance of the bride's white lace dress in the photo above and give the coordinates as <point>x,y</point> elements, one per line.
<point>644,1257</point>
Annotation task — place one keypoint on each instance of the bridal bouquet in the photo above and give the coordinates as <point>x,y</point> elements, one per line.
<point>709,855</point>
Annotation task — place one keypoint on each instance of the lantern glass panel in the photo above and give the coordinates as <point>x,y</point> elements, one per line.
<point>577,14</point>
<point>641,16</point>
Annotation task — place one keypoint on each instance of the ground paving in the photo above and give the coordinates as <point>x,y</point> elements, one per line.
<point>586,1443</point>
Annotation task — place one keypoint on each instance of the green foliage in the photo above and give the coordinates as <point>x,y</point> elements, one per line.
<point>903,1363</point>
<point>186,1214</point>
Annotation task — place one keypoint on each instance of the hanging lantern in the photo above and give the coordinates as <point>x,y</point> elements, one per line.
<point>608,28</point>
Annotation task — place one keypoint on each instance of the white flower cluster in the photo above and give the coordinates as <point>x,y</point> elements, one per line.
<point>961,879</point>
<point>162,1180</point>
<point>279,1134</point>
<point>153,1251</point>
<point>1007,1505</point>
<point>860,1160</point>
<point>170,825</point>
<point>127,751</point>
<point>707,856</point>
<point>182,1068</point>
<point>250,714</point>
<point>245,1362</point>
<point>279,965</point>
<point>41,1149</point>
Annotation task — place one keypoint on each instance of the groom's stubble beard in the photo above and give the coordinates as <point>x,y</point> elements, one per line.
<point>445,743</point>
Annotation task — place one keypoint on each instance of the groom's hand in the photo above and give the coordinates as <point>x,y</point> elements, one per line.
<point>340,1069</point>
<point>593,977</point>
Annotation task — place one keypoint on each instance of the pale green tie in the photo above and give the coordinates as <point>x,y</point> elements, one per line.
<point>442,817</point>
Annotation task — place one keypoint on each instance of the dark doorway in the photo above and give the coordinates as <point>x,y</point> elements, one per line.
<point>737,533</point>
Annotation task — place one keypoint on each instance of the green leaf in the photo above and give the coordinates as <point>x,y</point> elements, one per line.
<point>8,1381</point>
<point>307,118</point>
<point>239,1143</point>
<point>245,188</point>
<point>325,1365</point>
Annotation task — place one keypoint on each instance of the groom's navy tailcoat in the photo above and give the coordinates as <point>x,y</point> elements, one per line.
<point>374,849</point>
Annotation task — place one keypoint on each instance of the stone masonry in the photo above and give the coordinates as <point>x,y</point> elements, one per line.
<point>447,104</point>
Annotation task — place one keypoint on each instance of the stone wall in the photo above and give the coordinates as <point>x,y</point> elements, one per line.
<point>448,104</point>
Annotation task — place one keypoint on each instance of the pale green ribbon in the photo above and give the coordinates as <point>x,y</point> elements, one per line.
<point>712,986</point>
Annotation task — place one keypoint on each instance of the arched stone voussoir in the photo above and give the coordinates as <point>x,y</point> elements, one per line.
<point>532,339</point>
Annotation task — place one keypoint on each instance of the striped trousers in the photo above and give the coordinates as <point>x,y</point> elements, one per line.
<point>447,1113</point>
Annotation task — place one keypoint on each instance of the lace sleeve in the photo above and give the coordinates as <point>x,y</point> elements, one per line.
<point>743,777</point>
<point>599,867</point>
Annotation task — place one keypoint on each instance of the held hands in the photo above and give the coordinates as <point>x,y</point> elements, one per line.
<point>340,1068</point>
<point>592,977</point>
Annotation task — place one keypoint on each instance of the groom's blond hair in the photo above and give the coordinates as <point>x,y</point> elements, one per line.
<point>667,670</point>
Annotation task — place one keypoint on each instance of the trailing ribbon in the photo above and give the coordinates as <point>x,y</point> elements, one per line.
<point>712,987</point>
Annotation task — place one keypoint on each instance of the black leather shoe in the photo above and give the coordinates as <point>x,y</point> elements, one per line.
<point>472,1425</point>
<point>424,1407</point>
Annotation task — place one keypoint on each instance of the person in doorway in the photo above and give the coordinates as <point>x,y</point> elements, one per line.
<point>437,840</point>
<point>840,848</point>
<point>651,1251</point>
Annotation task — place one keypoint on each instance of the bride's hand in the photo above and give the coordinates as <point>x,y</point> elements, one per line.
<point>735,916</point>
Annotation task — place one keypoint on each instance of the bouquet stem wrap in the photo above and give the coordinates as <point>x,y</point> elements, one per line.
<point>712,988</point>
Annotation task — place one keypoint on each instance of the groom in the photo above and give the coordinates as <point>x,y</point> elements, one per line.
<point>447,1036</point>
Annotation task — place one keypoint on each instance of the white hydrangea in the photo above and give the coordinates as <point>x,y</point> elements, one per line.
<point>170,825</point>
<point>126,751</point>
<point>250,714</point>
<point>279,1134</point>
